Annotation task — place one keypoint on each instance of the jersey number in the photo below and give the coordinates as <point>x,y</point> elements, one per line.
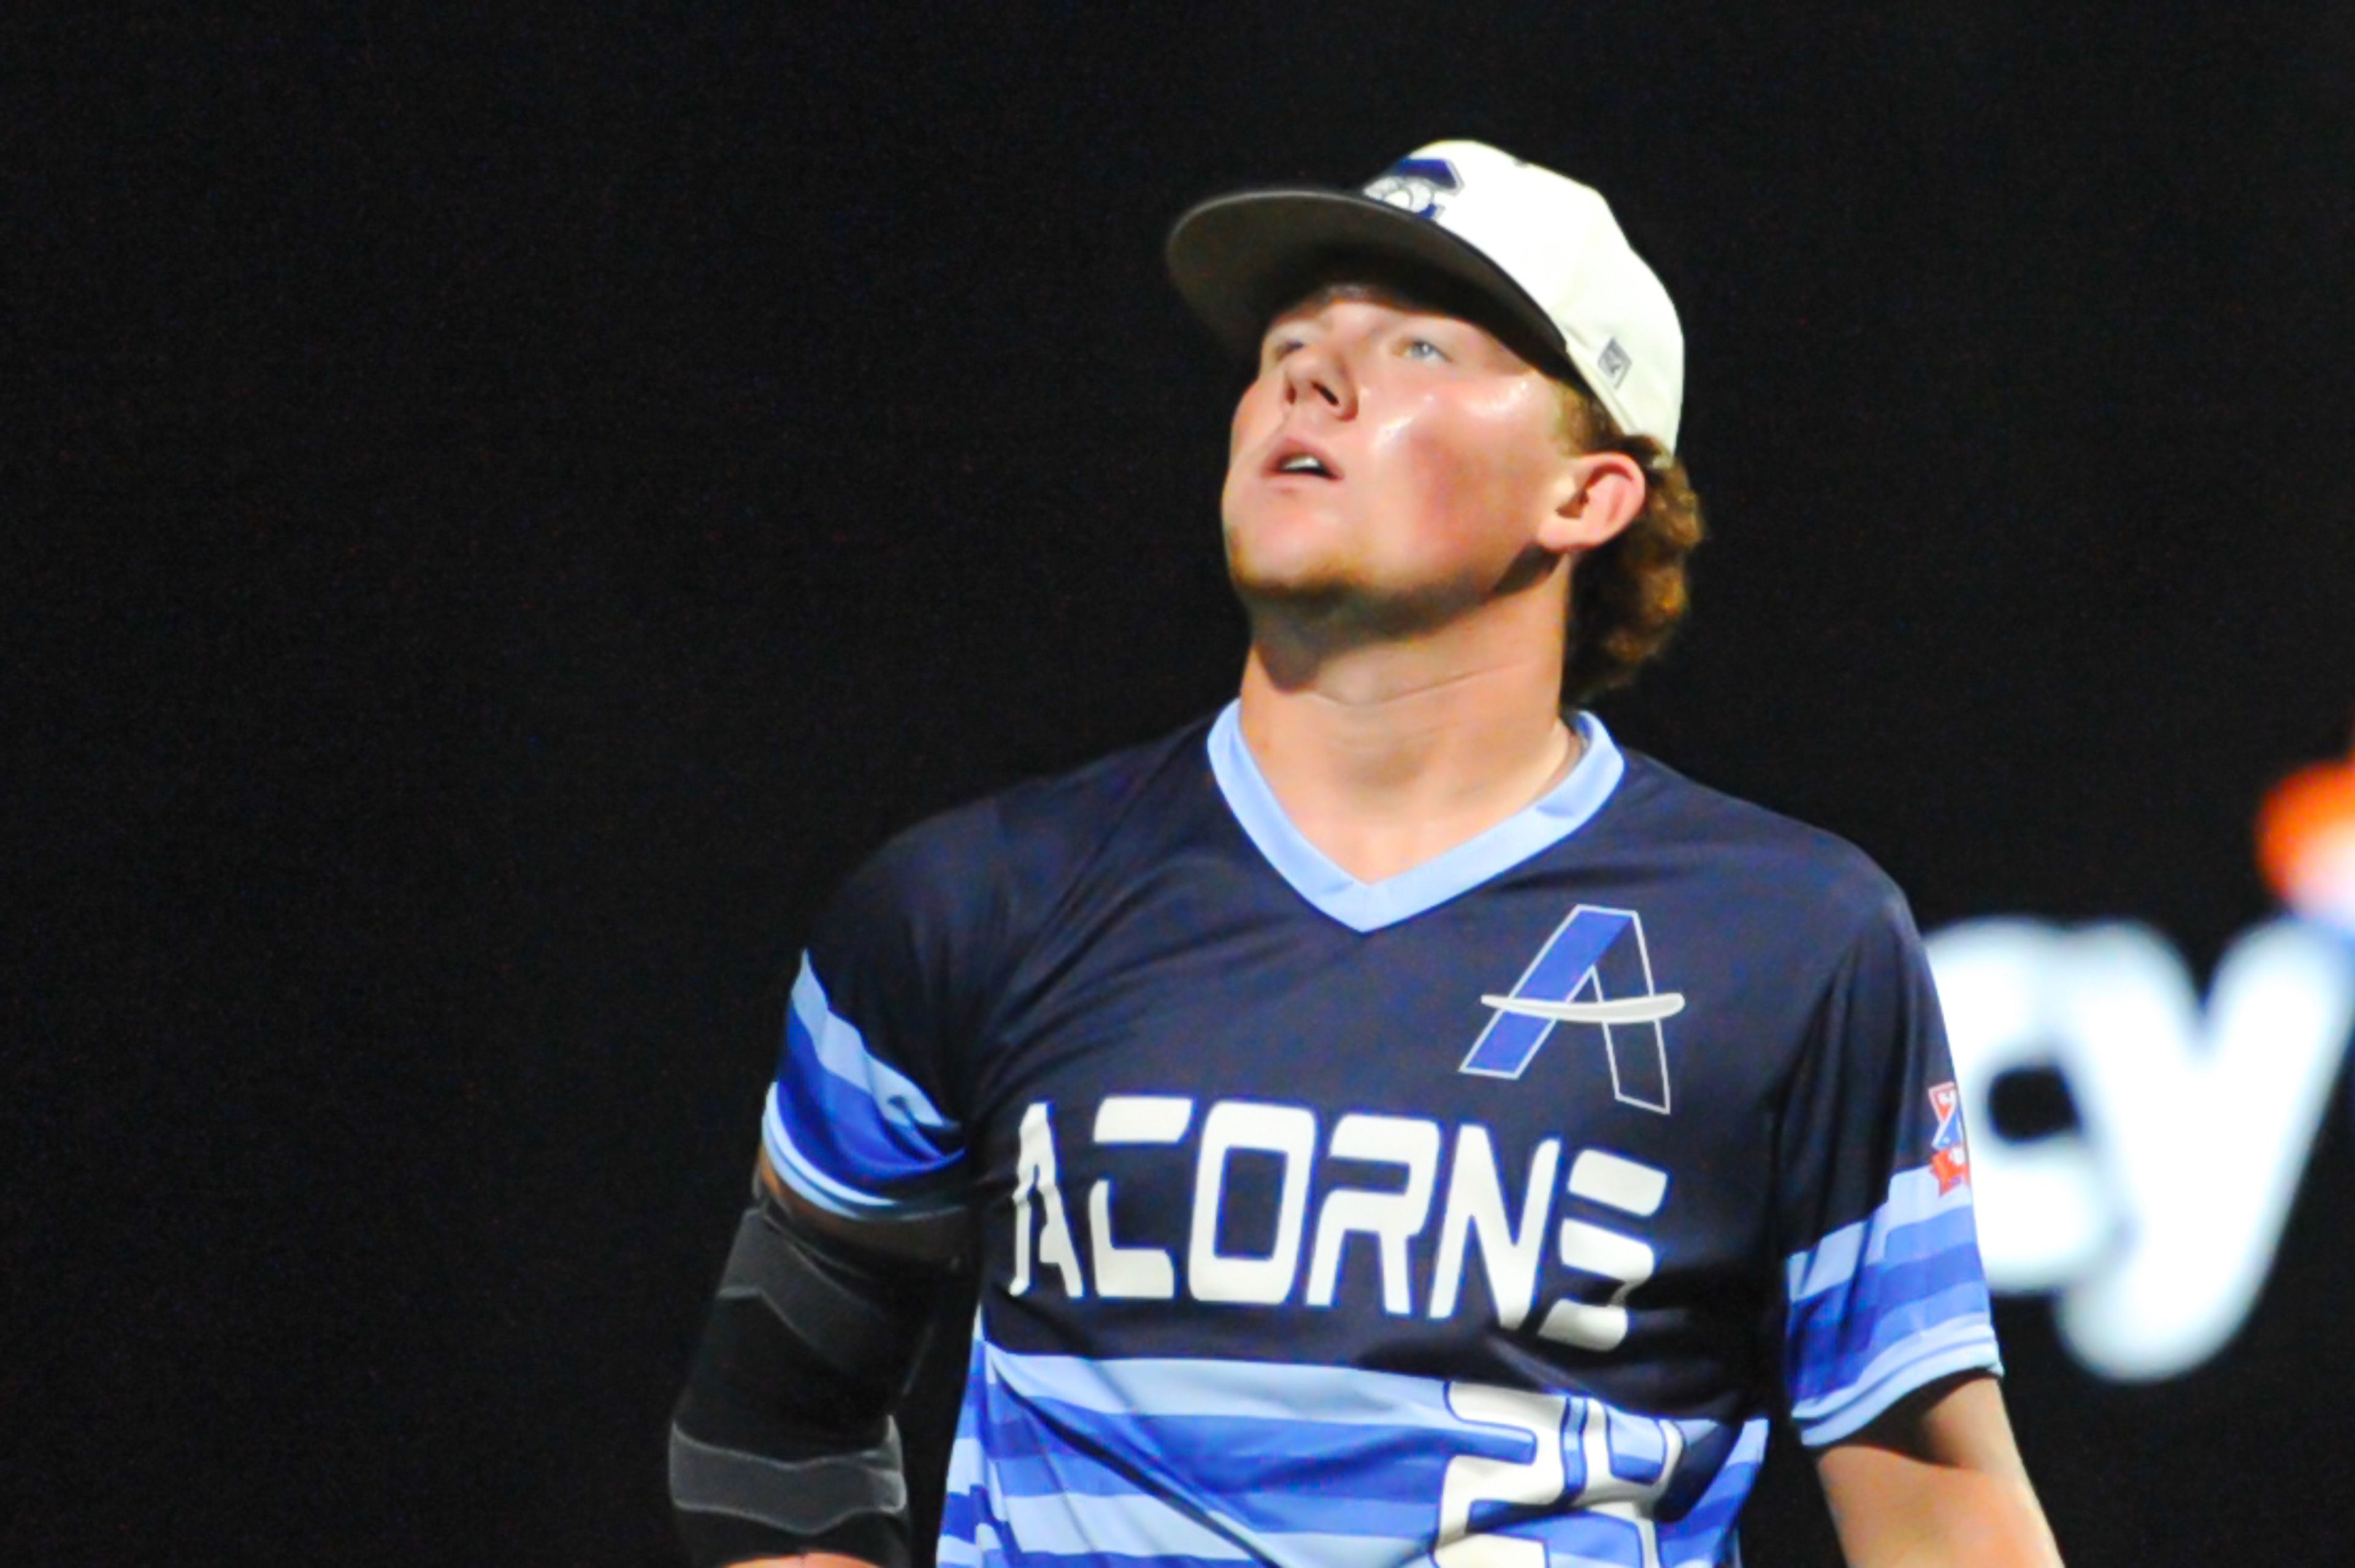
<point>1542,1480</point>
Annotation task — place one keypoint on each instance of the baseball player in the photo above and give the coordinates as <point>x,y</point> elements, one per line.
<point>1390,1122</point>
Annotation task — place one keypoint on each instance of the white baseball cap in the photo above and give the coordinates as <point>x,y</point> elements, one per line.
<point>1541,247</point>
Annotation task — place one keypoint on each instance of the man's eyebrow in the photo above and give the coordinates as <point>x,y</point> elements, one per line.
<point>1360,289</point>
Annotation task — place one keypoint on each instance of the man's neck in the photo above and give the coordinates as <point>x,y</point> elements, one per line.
<point>1385,756</point>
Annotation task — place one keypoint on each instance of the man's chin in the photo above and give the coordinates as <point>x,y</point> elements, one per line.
<point>1324,607</point>
<point>1310,594</point>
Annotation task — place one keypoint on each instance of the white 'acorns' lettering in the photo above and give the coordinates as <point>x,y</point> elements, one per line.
<point>1392,1219</point>
<point>1473,1215</point>
<point>1035,1172</point>
<point>1133,1273</point>
<point>1288,1131</point>
<point>1476,1203</point>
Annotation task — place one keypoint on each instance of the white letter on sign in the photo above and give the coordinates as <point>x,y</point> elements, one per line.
<point>2161,1221</point>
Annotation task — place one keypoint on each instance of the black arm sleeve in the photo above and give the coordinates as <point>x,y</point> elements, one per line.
<point>783,1441</point>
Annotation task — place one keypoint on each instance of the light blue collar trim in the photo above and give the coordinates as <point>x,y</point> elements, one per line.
<point>1369,906</point>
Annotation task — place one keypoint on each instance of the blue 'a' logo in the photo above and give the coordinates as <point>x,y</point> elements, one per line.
<point>1594,972</point>
<point>1421,186</point>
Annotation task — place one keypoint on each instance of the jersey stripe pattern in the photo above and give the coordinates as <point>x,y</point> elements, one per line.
<point>1481,1218</point>
<point>1892,1301</point>
<point>1196,1462</point>
<point>852,1135</point>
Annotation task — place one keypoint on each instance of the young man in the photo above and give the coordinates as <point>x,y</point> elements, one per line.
<point>1391,1123</point>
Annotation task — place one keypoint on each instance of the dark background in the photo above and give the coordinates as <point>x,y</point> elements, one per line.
<point>506,508</point>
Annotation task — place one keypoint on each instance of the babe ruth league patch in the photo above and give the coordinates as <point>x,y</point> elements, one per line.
<point>1950,1159</point>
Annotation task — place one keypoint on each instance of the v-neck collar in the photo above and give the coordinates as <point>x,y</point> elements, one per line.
<point>1369,906</point>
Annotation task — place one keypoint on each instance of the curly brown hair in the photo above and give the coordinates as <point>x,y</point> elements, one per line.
<point>1627,597</point>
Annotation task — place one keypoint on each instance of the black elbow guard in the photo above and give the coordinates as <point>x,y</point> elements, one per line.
<point>782,1442</point>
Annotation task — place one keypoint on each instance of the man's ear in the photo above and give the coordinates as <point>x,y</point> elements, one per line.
<point>1601,494</point>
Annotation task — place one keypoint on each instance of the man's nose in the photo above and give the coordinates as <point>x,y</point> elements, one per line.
<point>1319,372</point>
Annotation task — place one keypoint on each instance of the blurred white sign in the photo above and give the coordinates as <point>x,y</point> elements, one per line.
<point>2154,1220</point>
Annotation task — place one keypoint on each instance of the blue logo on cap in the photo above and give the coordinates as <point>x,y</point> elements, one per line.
<point>1420,186</point>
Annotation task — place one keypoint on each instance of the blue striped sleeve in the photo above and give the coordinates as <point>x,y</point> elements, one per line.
<point>1884,1289</point>
<point>1881,1306</point>
<point>846,1130</point>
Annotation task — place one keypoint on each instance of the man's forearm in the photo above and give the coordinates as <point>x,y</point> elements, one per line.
<point>1949,1518</point>
<point>782,1448</point>
<point>1937,1483</point>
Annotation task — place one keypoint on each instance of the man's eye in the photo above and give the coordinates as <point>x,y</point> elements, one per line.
<point>1423,348</point>
<point>1277,347</point>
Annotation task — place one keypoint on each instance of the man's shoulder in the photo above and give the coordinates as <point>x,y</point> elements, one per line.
<point>1007,849</point>
<point>1725,836</point>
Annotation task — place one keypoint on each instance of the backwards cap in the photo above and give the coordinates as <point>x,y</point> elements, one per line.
<point>1540,246</point>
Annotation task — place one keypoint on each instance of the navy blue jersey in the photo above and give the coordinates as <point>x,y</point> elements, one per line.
<point>1482,1215</point>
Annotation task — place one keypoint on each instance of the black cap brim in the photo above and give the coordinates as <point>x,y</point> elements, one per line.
<point>1237,259</point>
